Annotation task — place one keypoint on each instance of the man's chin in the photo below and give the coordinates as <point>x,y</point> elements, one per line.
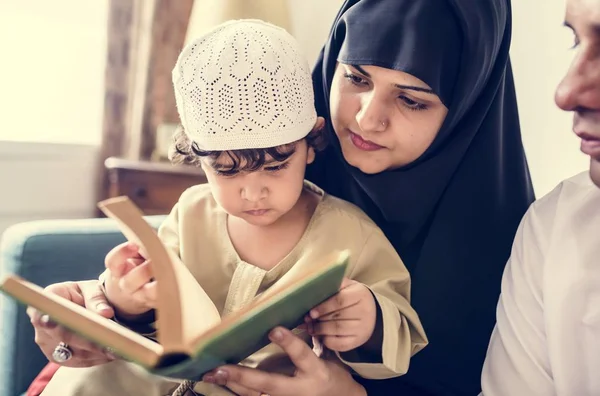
<point>595,171</point>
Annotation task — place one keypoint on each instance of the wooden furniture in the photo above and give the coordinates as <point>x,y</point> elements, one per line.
<point>153,186</point>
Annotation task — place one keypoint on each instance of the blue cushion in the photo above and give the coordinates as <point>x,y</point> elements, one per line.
<point>46,252</point>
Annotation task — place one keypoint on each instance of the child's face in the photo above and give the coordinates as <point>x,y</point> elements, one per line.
<point>263,196</point>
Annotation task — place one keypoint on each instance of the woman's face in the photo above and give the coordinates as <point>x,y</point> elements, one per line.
<point>383,118</point>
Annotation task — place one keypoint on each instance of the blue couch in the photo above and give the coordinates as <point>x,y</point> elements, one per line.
<point>46,252</point>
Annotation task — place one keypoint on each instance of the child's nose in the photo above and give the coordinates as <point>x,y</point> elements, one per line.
<point>254,192</point>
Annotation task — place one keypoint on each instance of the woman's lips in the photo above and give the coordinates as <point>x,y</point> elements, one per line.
<point>363,144</point>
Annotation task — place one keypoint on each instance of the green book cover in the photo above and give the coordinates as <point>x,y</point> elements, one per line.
<point>249,333</point>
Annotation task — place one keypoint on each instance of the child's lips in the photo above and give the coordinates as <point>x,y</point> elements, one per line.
<point>257,212</point>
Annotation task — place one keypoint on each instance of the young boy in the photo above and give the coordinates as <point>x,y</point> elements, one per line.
<point>245,99</point>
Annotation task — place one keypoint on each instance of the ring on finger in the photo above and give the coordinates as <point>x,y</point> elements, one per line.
<point>62,353</point>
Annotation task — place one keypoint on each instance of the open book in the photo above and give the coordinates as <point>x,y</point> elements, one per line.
<point>192,337</point>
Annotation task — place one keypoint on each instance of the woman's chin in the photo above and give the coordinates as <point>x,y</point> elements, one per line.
<point>365,166</point>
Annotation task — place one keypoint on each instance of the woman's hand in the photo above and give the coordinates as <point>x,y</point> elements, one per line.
<point>314,376</point>
<point>49,335</point>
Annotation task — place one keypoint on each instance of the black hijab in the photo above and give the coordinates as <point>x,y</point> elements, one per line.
<point>452,213</point>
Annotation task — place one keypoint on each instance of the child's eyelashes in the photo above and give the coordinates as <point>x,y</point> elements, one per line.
<point>234,172</point>
<point>226,173</point>
<point>277,168</point>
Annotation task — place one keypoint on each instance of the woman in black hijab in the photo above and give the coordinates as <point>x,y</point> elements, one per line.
<point>450,208</point>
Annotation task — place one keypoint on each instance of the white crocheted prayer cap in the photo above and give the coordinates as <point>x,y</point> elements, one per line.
<point>245,84</point>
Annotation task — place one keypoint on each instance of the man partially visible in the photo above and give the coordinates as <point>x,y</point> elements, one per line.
<point>547,337</point>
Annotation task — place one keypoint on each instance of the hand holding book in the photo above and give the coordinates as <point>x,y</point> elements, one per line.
<point>346,321</point>
<point>128,281</point>
<point>313,376</point>
<point>48,334</point>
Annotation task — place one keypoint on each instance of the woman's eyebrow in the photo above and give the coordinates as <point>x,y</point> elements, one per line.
<point>360,69</point>
<point>401,86</point>
<point>412,87</point>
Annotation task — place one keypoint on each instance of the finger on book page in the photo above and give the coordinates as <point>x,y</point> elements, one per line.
<point>136,278</point>
<point>122,268</point>
<point>117,259</point>
<point>95,300</point>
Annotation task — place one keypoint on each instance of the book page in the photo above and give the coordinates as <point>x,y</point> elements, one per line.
<point>184,310</point>
<point>84,322</point>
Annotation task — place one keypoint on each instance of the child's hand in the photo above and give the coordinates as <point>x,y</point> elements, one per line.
<point>347,320</point>
<point>129,284</point>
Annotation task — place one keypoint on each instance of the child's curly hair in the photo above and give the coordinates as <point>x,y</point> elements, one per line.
<point>184,151</point>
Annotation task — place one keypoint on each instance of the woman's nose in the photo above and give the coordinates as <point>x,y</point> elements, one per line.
<point>372,115</point>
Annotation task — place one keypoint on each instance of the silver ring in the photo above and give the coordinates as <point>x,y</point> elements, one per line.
<point>110,351</point>
<point>62,353</point>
